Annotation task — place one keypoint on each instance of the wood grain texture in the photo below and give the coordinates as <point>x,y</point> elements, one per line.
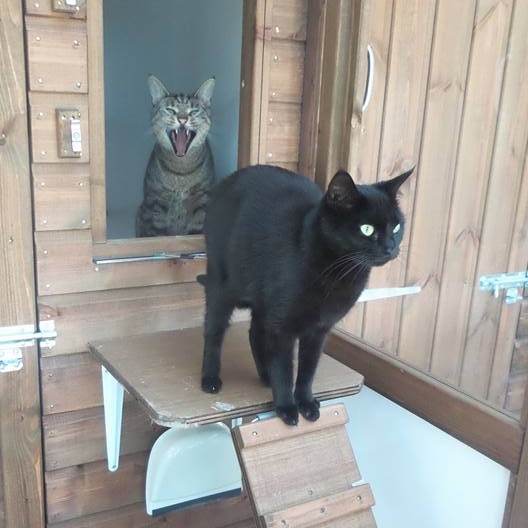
<point>167,380</point>
<point>294,478</point>
<point>57,54</point>
<point>229,513</point>
<point>81,317</point>
<point>21,498</point>
<point>61,196</point>
<point>65,265</point>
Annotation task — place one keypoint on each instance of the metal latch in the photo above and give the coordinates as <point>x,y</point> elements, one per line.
<point>14,338</point>
<point>511,282</point>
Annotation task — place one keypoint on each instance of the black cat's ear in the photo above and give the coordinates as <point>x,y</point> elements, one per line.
<point>342,193</point>
<point>157,89</point>
<point>392,186</point>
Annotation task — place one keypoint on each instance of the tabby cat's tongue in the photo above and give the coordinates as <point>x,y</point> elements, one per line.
<point>180,140</point>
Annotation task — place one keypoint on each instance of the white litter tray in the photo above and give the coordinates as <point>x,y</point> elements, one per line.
<point>191,464</point>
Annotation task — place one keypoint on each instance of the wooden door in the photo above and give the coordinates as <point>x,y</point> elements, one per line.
<point>449,95</point>
<point>21,487</point>
<point>89,299</point>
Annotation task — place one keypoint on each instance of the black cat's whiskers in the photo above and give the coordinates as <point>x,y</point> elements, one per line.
<point>337,265</point>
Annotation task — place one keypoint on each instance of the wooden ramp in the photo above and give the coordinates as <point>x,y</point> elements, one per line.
<point>304,476</point>
<point>163,372</point>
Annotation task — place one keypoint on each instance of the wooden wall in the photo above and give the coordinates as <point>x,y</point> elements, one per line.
<point>450,95</point>
<point>89,301</point>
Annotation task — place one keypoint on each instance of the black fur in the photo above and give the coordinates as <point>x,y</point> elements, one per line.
<point>299,260</point>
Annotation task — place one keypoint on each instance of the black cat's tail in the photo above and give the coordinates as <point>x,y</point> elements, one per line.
<point>202,279</point>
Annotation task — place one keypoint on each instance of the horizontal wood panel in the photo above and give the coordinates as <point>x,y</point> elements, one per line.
<point>288,19</point>
<point>61,196</point>
<point>65,265</point>
<point>79,437</point>
<point>286,71</point>
<point>283,133</point>
<point>45,8</point>
<point>70,383</point>
<point>88,488</point>
<point>43,125</point>
<point>84,317</point>
<point>229,513</point>
<point>57,58</point>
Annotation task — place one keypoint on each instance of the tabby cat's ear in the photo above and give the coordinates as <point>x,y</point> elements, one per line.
<point>342,193</point>
<point>392,186</point>
<point>205,92</point>
<point>157,89</point>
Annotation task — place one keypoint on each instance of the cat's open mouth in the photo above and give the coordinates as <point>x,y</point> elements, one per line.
<point>181,139</point>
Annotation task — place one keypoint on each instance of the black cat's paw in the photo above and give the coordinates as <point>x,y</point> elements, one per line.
<point>211,384</point>
<point>288,414</point>
<point>309,409</point>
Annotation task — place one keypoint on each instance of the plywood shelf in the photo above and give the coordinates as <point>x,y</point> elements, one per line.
<point>162,371</point>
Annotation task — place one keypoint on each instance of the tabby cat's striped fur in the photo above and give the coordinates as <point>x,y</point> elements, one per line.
<point>180,170</point>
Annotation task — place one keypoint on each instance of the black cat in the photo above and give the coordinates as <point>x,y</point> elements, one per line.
<point>299,259</point>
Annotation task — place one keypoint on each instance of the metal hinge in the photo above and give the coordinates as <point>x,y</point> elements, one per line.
<point>511,282</point>
<point>14,338</point>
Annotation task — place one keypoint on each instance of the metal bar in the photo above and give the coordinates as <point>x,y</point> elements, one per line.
<point>374,294</point>
<point>198,255</point>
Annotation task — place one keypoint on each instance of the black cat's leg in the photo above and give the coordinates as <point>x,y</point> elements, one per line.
<point>310,348</point>
<point>279,361</point>
<point>218,312</point>
<point>257,340</point>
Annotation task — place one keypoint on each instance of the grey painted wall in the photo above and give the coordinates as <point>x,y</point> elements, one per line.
<point>183,43</point>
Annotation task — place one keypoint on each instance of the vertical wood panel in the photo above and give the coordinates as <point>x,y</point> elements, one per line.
<point>435,175</point>
<point>21,498</point>
<point>483,90</point>
<point>499,221</point>
<point>400,147</point>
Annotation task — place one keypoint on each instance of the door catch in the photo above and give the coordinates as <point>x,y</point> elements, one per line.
<point>511,282</point>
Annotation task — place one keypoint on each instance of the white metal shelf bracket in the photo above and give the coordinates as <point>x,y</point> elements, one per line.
<point>113,393</point>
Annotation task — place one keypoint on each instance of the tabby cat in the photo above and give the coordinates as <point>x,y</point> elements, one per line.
<point>298,259</point>
<point>180,169</point>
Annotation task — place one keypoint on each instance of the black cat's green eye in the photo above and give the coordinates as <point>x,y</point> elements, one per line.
<point>396,228</point>
<point>367,229</point>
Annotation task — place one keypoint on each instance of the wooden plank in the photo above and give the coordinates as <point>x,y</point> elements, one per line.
<point>116,313</point>
<point>283,133</point>
<point>44,129</point>
<point>38,7</point>
<point>94,12</point>
<point>278,476</point>
<point>75,438</point>
<point>487,430</point>
<point>271,430</point>
<point>289,19</point>
<point>498,226</point>
<point>313,67</point>
<point>57,57</point>
<point>89,488</point>
<point>443,115</point>
<point>412,28</point>
<point>475,151</point>
<point>366,128</point>
<point>61,195</point>
<point>21,498</point>
<point>227,513</point>
<point>65,265</point>
<point>286,71</point>
<point>326,510</point>
<point>167,381</point>
<point>70,383</point>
